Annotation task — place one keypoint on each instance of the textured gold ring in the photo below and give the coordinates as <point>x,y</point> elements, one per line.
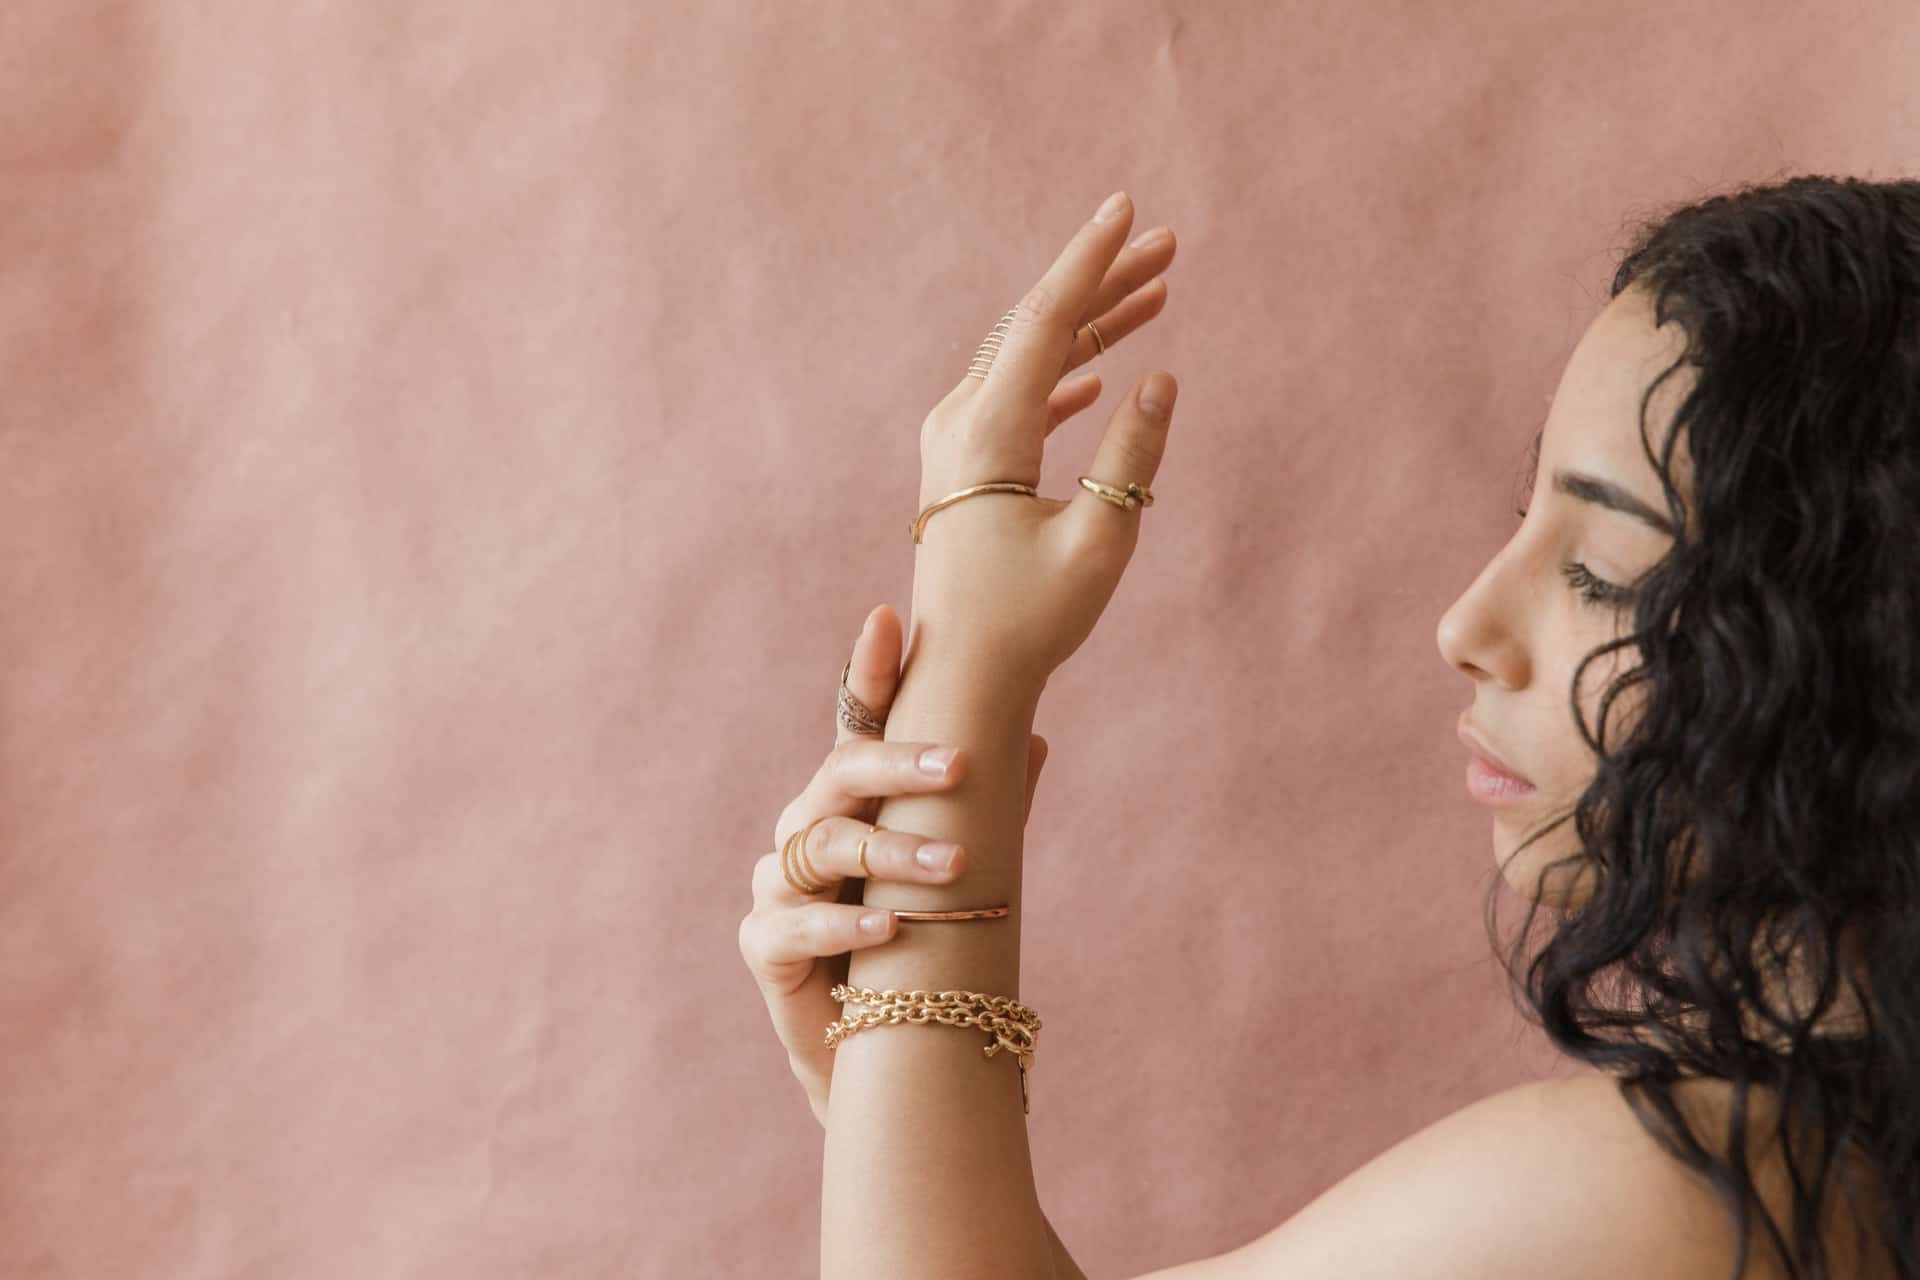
<point>856,716</point>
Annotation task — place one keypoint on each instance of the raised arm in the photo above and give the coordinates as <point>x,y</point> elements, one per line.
<point>927,1171</point>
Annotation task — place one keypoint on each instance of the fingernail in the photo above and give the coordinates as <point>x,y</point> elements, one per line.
<point>866,627</point>
<point>1111,209</point>
<point>1145,238</point>
<point>874,923</point>
<point>934,761</point>
<point>936,857</point>
<point>1157,395</point>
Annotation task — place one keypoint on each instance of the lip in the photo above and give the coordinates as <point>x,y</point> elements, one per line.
<point>1490,778</point>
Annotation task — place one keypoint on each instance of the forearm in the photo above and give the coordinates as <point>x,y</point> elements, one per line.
<point>927,1170</point>
<point>1064,1267</point>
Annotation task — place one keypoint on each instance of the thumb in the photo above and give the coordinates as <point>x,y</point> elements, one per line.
<point>1036,760</point>
<point>1129,453</point>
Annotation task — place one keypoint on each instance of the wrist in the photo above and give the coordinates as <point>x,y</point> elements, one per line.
<point>970,664</point>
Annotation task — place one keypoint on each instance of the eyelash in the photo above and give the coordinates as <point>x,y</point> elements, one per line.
<point>1594,591</point>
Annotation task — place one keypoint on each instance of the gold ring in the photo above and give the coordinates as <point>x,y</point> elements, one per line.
<point>855,715</point>
<point>990,347</point>
<point>786,866</point>
<point>794,858</point>
<point>1099,343</point>
<point>865,870</point>
<point>788,869</point>
<point>1131,498</point>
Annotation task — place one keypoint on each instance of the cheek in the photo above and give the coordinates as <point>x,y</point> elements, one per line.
<point>1566,765</point>
<point>1621,716</point>
<point>1625,711</point>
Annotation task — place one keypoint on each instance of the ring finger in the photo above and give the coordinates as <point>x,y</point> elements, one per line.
<point>1133,311</point>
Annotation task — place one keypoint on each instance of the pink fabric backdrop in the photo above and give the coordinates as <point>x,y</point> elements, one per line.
<point>448,451</point>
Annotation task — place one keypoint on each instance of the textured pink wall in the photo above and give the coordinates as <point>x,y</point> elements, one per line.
<point>446,453</point>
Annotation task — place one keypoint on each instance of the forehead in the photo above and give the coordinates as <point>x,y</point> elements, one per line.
<point>1594,423</point>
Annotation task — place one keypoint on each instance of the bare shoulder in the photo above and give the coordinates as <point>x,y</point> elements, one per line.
<point>1554,1177</point>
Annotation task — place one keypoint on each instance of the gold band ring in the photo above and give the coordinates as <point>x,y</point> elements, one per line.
<point>1131,498</point>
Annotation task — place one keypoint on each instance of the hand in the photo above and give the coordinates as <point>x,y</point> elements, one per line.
<point>796,945</point>
<point>1023,580</point>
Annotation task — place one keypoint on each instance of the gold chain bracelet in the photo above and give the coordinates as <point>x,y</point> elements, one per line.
<point>1013,1026</point>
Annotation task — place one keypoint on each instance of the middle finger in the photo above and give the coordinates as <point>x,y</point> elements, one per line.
<point>832,850</point>
<point>1150,254</point>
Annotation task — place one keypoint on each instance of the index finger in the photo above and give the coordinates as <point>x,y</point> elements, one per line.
<point>1040,334</point>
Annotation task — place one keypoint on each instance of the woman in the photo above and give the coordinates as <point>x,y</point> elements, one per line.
<point>1695,715</point>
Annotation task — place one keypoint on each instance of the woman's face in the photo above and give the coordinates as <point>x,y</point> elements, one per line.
<point>1544,600</point>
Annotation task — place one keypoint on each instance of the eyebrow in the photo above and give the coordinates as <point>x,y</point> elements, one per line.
<point>1592,489</point>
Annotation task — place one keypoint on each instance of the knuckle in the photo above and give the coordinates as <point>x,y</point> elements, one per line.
<point>816,927</point>
<point>1036,306</point>
<point>1137,457</point>
<point>887,851</point>
<point>787,821</point>
<point>818,841</point>
<point>842,760</point>
<point>767,875</point>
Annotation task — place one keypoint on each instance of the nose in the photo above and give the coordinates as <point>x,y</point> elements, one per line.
<point>1479,634</point>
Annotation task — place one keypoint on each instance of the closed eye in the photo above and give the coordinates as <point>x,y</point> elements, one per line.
<point>1593,590</point>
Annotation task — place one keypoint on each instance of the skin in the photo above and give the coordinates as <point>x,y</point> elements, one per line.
<point>1521,627</point>
<point>924,1143</point>
<point>1046,567</point>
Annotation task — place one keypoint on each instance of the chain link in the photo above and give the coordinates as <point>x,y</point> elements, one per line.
<point>1012,1025</point>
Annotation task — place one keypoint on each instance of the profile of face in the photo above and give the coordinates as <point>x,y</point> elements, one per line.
<point>1595,522</point>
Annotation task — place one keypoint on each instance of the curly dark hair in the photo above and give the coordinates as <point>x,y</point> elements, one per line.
<point>1767,797</point>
